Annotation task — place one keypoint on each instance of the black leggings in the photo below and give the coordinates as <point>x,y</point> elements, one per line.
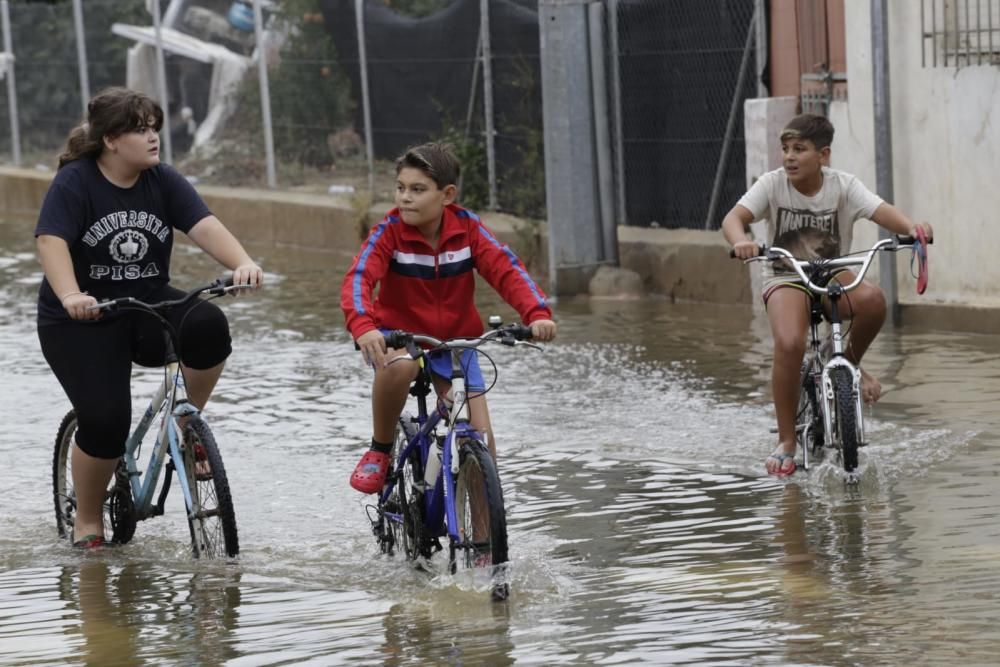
<point>93,362</point>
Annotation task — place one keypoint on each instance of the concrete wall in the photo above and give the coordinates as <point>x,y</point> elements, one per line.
<point>686,265</point>
<point>946,154</point>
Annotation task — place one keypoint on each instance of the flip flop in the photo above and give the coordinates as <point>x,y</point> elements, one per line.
<point>89,542</point>
<point>781,458</point>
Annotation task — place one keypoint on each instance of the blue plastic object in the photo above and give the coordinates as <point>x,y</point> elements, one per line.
<point>241,16</point>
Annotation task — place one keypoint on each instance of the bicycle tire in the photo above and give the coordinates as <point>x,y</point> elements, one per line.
<point>211,519</point>
<point>118,511</point>
<point>847,422</point>
<point>393,535</point>
<point>482,519</point>
<point>809,419</point>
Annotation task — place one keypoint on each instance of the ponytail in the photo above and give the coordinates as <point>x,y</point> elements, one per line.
<point>80,144</point>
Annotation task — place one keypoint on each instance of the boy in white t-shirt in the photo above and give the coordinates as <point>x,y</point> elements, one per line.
<point>810,211</point>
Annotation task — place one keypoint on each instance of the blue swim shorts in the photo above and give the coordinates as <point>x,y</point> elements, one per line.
<point>440,364</point>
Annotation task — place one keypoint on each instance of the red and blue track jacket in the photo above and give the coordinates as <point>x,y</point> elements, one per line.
<point>429,290</point>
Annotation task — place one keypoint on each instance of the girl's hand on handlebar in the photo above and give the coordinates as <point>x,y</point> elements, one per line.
<point>543,330</point>
<point>77,305</point>
<point>372,344</point>
<point>746,249</point>
<point>249,276</point>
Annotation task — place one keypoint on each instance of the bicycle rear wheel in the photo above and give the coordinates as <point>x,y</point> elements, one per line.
<point>809,420</point>
<point>847,417</point>
<point>482,520</point>
<point>211,517</point>
<point>118,511</point>
<point>394,530</point>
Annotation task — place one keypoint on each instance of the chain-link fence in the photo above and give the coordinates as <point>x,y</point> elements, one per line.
<point>679,66</point>
<point>49,96</point>
<point>424,69</point>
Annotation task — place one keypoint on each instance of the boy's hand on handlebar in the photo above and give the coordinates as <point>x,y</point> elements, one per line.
<point>927,229</point>
<point>746,249</point>
<point>249,276</point>
<point>79,307</point>
<point>543,330</point>
<point>372,345</point>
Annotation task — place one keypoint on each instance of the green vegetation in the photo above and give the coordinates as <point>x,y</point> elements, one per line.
<point>48,81</point>
<point>417,8</point>
<point>310,94</point>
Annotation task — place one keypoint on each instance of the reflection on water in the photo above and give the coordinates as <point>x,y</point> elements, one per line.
<point>631,453</point>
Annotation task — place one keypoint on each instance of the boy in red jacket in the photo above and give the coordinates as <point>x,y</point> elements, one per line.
<point>421,256</point>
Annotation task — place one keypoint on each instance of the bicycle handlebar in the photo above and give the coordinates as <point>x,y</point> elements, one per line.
<point>217,287</point>
<point>508,335</point>
<point>862,259</point>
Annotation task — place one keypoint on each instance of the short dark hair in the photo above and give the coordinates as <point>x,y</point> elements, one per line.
<point>437,160</point>
<point>811,127</point>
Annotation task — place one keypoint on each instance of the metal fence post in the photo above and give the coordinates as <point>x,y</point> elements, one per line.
<point>161,85</point>
<point>602,139</point>
<point>491,163</point>
<point>81,53</point>
<point>8,52</point>
<point>359,17</point>
<point>734,108</point>
<point>265,94</point>
<point>571,184</point>
<point>616,90</point>
<point>760,18</point>
<point>883,146</point>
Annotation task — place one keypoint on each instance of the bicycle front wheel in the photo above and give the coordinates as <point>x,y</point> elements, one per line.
<point>847,416</point>
<point>211,517</point>
<point>118,509</point>
<point>482,520</point>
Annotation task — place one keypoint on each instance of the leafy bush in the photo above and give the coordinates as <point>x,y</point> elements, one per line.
<point>310,94</point>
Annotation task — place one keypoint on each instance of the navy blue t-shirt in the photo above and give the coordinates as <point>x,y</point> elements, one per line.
<point>119,238</point>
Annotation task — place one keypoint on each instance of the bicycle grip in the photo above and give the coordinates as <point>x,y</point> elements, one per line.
<point>761,250</point>
<point>910,240</point>
<point>520,332</point>
<point>397,339</point>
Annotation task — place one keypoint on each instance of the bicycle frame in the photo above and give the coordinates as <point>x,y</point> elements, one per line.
<point>172,393</point>
<point>820,370</point>
<point>440,516</point>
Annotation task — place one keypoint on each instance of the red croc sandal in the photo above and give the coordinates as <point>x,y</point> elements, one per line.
<point>369,474</point>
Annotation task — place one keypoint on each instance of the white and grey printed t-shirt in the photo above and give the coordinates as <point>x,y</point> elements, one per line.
<point>809,227</point>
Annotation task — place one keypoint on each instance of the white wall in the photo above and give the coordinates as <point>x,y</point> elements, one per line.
<point>946,154</point>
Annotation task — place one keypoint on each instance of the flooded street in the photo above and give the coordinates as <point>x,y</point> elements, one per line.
<point>642,528</point>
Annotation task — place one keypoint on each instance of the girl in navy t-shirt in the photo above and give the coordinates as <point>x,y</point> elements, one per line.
<point>105,231</point>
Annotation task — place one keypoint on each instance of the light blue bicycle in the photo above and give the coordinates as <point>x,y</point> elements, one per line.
<point>189,450</point>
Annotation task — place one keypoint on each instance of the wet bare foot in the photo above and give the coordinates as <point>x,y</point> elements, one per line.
<point>871,388</point>
<point>781,461</point>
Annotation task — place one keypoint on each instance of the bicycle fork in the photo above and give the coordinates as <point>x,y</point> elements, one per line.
<point>839,360</point>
